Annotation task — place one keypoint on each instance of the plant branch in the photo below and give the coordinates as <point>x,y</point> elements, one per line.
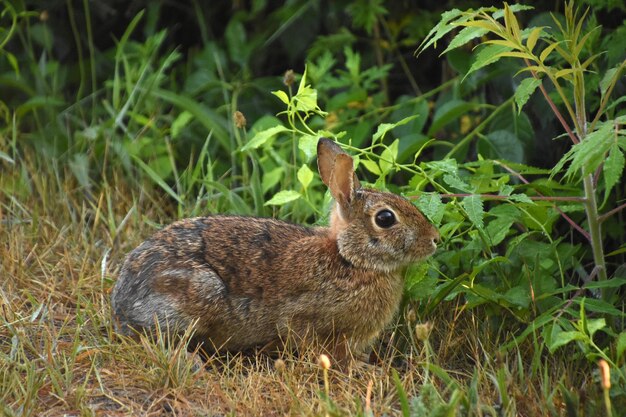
<point>608,214</point>
<point>572,223</point>
<point>561,212</point>
<point>504,197</point>
<point>607,94</point>
<point>478,128</point>
<point>555,110</point>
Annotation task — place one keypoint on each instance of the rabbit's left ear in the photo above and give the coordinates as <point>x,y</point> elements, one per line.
<point>336,170</point>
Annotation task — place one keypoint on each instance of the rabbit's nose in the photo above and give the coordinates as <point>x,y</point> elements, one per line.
<point>435,239</point>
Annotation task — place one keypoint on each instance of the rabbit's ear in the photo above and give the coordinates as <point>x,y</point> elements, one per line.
<point>327,153</point>
<point>337,171</point>
<point>343,182</point>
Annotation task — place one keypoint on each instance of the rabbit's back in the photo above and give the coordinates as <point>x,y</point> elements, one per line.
<point>248,282</point>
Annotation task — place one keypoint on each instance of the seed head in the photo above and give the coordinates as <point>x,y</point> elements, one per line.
<point>605,374</point>
<point>239,119</point>
<point>422,331</point>
<point>289,78</point>
<point>324,361</point>
<point>280,365</point>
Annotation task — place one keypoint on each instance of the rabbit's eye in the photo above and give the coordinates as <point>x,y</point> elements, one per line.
<point>385,219</point>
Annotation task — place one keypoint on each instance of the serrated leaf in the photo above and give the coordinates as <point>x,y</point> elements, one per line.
<point>456,182</point>
<point>431,206</point>
<point>486,56</point>
<point>465,36</point>
<point>483,24</point>
<point>440,29</point>
<point>547,51</point>
<point>515,54</point>
<point>283,197</point>
<point>263,136</point>
<point>588,154</point>
<point>521,198</point>
<point>473,206</point>
<point>282,96</point>
<point>533,37</point>
<point>613,168</point>
<point>524,91</point>
<point>514,8</point>
<point>305,175</point>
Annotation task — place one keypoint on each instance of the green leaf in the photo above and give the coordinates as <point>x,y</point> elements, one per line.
<point>502,144</point>
<point>180,122</point>
<point>308,145</point>
<point>533,37</point>
<point>547,51</point>
<point>263,136</point>
<point>599,306</point>
<point>283,197</point>
<point>371,166</point>
<point>560,338</point>
<point>456,182</point>
<point>593,325</point>
<point>588,154</point>
<point>305,175</point>
<point>204,115</point>
<point>157,179</point>
<point>525,90</point>
<point>306,100</point>
<point>466,35</point>
<point>609,283</point>
<point>486,56</point>
<point>388,157</point>
<point>473,206</point>
<point>440,29</point>
<point>431,206</point>
<point>383,128</point>
<point>282,96</point>
<point>613,168</point>
<point>448,112</point>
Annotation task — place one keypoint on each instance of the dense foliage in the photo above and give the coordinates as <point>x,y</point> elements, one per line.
<point>511,141</point>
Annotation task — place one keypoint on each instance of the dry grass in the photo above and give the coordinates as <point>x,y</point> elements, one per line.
<point>60,250</point>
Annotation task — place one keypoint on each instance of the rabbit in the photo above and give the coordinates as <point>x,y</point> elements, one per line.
<point>247,282</point>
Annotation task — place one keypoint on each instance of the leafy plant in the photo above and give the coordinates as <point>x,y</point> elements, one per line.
<point>558,63</point>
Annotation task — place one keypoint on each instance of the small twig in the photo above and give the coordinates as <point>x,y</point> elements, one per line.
<point>561,212</point>
<point>555,110</point>
<point>571,222</point>
<point>610,213</point>
<point>504,197</point>
<point>578,292</point>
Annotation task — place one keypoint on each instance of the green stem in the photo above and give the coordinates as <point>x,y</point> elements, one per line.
<point>591,208</point>
<point>478,128</point>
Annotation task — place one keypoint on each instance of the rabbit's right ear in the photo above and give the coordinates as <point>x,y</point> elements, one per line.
<point>337,171</point>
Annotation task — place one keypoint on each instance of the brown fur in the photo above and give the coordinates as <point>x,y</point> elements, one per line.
<point>250,282</point>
